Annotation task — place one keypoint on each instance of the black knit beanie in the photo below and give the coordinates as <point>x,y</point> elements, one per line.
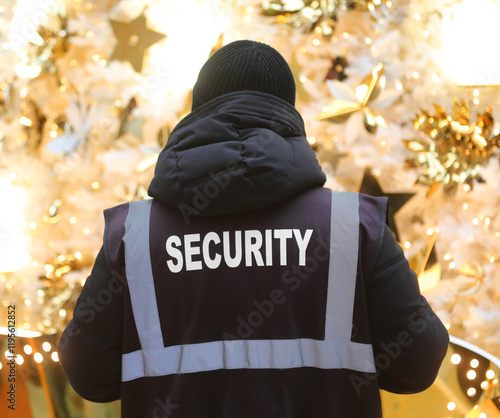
<point>244,65</point>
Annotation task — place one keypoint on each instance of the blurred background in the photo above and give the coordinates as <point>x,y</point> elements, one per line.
<point>399,98</point>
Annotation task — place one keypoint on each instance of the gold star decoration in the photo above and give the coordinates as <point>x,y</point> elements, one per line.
<point>305,14</point>
<point>457,148</point>
<point>360,100</point>
<point>133,40</point>
<point>371,186</point>
<point>426,266</point>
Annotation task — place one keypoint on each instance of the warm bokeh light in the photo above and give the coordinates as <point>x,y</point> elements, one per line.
<point>13,234</point>
<point>467,38</point>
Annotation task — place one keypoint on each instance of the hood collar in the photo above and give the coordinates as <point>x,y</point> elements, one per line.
<point>237,152</point>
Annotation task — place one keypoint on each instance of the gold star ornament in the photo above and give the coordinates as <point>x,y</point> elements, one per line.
<point>456,149</point>
<point>366,94</point>
<point>133,40</point>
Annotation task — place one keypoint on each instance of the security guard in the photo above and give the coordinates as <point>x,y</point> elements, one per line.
<point>245,288</point>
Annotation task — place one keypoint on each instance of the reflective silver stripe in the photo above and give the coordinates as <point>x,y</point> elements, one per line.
<point>336,352</point>
<point>140,275</point>
<point>247,354</point>
<point>342,272</point>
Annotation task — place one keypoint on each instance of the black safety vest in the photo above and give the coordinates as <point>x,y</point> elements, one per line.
<point>259,314</point>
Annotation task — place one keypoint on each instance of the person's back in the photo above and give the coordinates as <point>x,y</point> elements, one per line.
<point>245,288</point>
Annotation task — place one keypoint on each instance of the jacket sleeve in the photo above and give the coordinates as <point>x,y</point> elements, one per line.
<point>408,338</point>
<point>90,347</point>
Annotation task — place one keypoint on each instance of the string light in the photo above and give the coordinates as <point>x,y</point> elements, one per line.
<point>490,374</point>
<point>23,120</point>
<point>471,375</point>
<point>456,359</point>
<point>38,357</point>
<point>451,406</point>
<point>46,346</point>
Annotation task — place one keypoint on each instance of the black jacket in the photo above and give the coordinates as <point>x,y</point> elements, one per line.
<point>242,152</point>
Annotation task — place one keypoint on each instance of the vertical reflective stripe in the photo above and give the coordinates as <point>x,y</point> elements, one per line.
<point>342,272</point>
<point>140,275</point>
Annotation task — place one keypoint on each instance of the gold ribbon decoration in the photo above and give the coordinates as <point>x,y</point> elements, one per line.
<point>456,149</point>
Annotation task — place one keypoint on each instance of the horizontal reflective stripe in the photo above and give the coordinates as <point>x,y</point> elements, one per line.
<point>247,354</point>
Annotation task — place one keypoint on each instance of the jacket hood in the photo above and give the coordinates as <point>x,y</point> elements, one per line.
<point>238,152</point>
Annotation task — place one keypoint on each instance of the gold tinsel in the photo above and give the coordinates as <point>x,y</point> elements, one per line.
<point>457,147</point>
<point>58,293</point>
<point>306,14</point>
